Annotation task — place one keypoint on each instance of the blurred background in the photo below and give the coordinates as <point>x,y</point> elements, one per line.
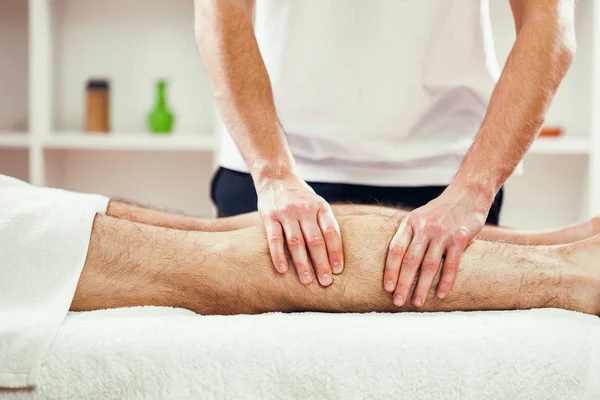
<point>51,49</point>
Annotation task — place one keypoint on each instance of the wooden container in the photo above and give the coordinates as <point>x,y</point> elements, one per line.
<point>549,131</point>
<point>97,119</point>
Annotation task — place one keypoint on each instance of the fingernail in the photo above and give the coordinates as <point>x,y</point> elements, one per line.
<point>282,268</point>
<point>326,279</point>
<point>337,268</point>
<point>389,286</point>
<point>418,302</point>
<point>441,295</point>
<point>399,301</point>
<point>306,278</point>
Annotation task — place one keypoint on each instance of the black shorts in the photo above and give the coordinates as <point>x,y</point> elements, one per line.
<point>233,193</point>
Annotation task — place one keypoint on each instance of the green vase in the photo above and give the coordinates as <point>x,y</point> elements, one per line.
<point>160,119</point>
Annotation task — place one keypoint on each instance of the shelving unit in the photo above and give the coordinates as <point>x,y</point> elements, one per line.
<point>56,45</point>
<point>561,145</point>
<point>133,43</point>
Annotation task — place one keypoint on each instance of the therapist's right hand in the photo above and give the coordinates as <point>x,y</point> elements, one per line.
<point>295,215</point>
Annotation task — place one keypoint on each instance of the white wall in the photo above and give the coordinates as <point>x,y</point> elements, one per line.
<point>13,65</point>
<point>167,180</point>
<point>14,162</point>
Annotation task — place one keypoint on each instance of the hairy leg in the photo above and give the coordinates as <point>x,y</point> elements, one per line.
<point>569,234</point>
<point>130,264</point>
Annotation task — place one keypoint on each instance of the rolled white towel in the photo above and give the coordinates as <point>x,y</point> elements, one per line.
<point>44,237</point>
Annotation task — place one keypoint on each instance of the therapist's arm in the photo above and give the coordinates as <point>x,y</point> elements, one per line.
<point>538,61</point>
<point>289,208</point>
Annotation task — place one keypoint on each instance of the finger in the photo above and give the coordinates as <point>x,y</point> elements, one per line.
<point>429,269</point>
<point>318,252</point>
<point>297,247</point>
<point>409,267</point>
<point>276,245</point>
<point>396,249</point>
<point>333,239</point>
<point>449,270</point>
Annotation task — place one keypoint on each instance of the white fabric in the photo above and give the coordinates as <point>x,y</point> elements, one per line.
<point>386,92</point>
<point>155,353</point>
<point>44,236</point>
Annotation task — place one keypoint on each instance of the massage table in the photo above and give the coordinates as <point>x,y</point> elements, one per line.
<point>164,353</point>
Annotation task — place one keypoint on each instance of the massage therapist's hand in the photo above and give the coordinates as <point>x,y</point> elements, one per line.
<point>442,228</point>
<point>290,209</point>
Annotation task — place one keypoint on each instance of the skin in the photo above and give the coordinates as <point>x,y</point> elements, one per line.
<point>539,59</point>
<point>136,213</point>
<point>133,264</point>
<point>291,211</point>
<point>294,215</point>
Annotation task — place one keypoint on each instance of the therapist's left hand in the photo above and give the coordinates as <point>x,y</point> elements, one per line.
<point>440,230</point>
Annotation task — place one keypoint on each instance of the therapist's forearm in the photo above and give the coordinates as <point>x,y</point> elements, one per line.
<point>241,85</point>
<point>537,63</point>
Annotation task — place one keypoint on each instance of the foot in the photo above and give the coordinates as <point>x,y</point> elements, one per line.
<point>582,277</point>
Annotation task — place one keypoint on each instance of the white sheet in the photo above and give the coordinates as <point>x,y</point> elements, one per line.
<point>156,353</point>
<point>44,236</point>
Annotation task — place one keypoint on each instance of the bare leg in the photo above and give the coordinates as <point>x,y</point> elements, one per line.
<point>131,264</point>
<point>130,212</point>
<point>569,234</point>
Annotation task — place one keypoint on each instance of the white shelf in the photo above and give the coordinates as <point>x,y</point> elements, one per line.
<point>208,142</point>
<point>561,145</point>
<point>130,141</point>
<point>14,140</point>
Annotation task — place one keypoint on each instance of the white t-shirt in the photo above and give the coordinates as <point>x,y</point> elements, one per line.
<point>382,92</point>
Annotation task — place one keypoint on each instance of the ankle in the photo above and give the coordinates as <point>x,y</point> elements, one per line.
<point>581,275</point>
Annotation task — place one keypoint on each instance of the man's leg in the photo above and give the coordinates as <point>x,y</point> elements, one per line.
<point>130,212</point>
<point>122,210</point>
<point>568,234</point>
<point>130,264</point>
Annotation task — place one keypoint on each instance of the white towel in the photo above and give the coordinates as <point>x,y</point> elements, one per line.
<point>44,236</point>
<point>158,353</point>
